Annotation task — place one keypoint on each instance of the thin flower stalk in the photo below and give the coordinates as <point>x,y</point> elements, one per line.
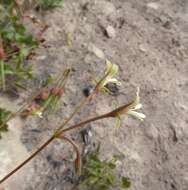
<point>113,113</point>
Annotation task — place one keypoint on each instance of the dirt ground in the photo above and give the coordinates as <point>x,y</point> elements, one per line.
<point>149,42</point>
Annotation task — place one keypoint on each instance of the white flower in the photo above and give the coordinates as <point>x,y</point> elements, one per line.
<point>135,106</point>
<point>130,109</point>
<point>111,71</point>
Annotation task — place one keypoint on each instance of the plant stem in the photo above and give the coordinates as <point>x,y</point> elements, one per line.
<point>81,124</point>
<point>77,150</point>
<point>57,134</point>
<point>82,104</point>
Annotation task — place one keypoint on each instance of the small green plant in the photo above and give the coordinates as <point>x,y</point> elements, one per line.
<point>49,4</point>
<point>16,44</point>
<point>95,169</point>
<point>100,174</point>
<point>4,114</point>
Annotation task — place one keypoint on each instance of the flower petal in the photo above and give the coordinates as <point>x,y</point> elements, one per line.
<point>108,66</point>
<point>138,106</point>
<point>111,69</point>
<point>138,115</point>
<point>113,80</point>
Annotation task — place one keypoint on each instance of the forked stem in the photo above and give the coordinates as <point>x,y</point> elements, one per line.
<point>56,135</point>
<point>60,131</point>
<point>82,104</point>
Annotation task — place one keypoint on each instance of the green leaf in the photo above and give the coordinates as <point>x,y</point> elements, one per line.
<point>17,84</point>
<point>4,114</point>
<point>99,174</point>
<point>4,128</point>
<point>92,180</point>
<point>47,81</point>
<point>125,182</point>
<point>112,165</point>
<point>111,178</point>
<point>18,44</point>
<point>49,4</point>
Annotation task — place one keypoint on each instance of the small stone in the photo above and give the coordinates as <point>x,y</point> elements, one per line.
<point>42,57</point>
<point>181,106</point>
<point>152,132</point>
<point>98,52</point>
<point>110,31</point>
<point>153,5</point>
<point>142,48</point>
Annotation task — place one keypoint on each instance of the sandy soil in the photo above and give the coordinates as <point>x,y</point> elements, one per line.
<point>149,42</point>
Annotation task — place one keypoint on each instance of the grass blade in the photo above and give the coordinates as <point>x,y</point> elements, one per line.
<point>3,75</point>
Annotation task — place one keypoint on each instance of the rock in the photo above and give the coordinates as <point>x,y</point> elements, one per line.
<point>180,105</point>
<point>110,32</point>
<point>153,5</point>
<point>98,52</point>
<point>152,132</point>
<point>143,48</point>
<point>41,57</point>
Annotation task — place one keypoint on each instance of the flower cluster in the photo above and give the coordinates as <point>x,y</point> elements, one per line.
<point>131,108</point>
